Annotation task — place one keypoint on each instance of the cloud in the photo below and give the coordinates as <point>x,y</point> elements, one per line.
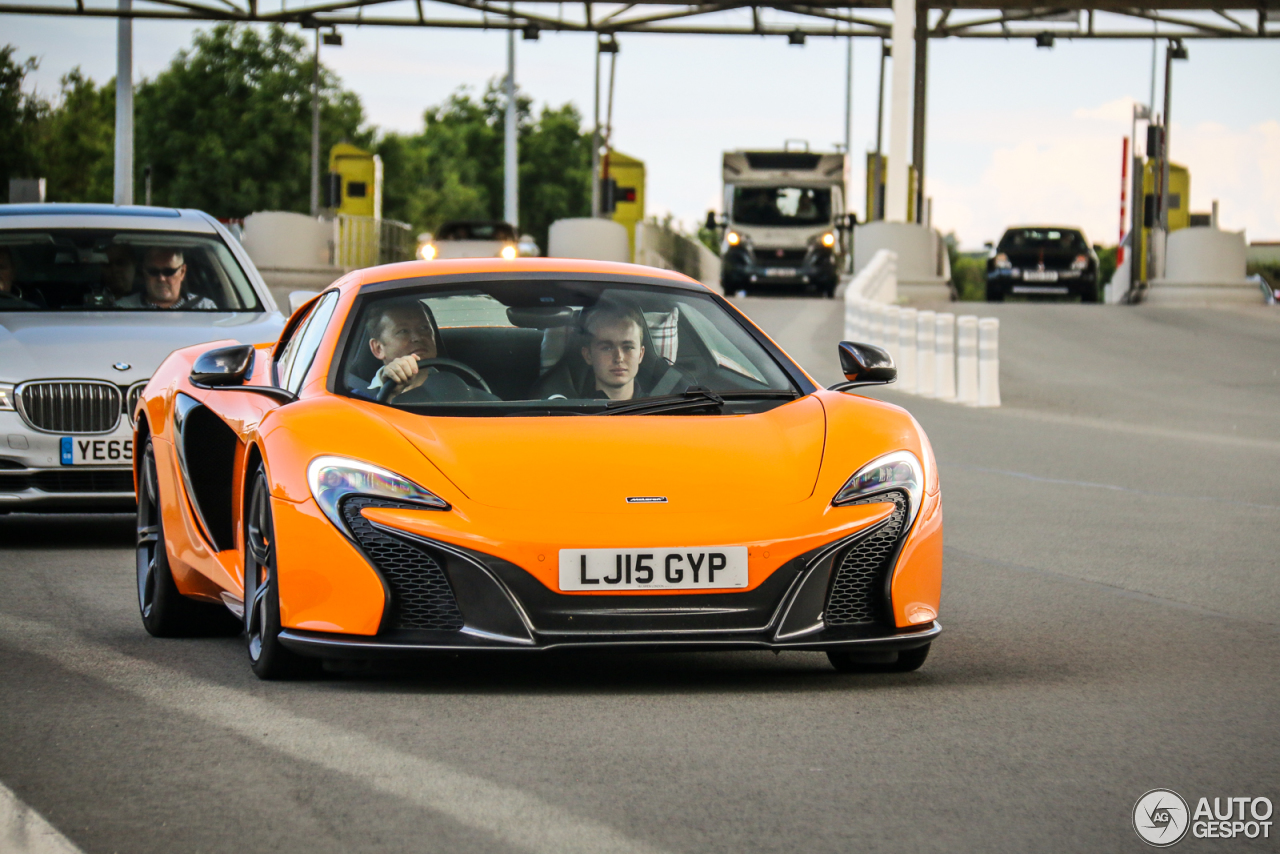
<point>1062,170</point>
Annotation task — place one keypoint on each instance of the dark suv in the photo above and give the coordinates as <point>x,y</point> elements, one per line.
<point>1043,261</point>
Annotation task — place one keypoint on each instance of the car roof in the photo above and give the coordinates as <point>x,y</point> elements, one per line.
<point>1044,228</point>
<point>451,271</point>
<point>60,215</point>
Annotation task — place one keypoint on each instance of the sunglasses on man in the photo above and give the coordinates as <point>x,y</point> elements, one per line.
<point>163,272</point>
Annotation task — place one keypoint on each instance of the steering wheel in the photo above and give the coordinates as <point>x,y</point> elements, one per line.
<point>467,373</point>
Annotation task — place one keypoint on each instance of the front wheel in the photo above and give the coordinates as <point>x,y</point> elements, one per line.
<point>1089,294</point>
<point>994,293</point>
<point>166,613</point>
<point>267,656</point>
<point>849,661</point>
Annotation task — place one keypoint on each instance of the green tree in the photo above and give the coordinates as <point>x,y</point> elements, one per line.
<point>20,117</point>
<point>78,141</point>
<point>227,126</point>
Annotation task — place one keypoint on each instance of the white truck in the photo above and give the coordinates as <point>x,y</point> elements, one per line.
<point>784,221</point>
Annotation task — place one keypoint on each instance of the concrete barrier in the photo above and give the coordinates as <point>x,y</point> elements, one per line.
<point>891,319</point>
<point>988,361</point>
<point>937,354</point>
<point>967,359</point>
<point>925,352</point>
<point>944,358</point>
<point>907,350</point>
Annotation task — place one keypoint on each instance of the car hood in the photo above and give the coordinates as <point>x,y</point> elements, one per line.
<point>67,345</point>
<point>595,463</point>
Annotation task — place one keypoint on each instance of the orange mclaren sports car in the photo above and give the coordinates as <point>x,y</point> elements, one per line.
<point>529,455</point>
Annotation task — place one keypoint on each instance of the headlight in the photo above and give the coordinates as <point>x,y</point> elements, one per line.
<point>1081,262</point>
<point>333,478</point>
<point>829,240</point>
<point>900,470</point>
<point>427,252</point>
<point>508,253</point>
<point>6,396</point>
<point>1002,262</point>
<point>732,238</point>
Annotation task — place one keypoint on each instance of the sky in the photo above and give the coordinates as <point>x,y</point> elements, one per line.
<point>1015,133</point>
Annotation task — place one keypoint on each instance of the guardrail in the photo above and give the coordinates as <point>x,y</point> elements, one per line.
<point>363,241</point>
<point>939,355</point>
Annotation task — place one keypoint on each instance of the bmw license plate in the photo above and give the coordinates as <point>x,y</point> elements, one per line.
<point>781,272</point>
<point>77,451</point>
<point>1040,276</point>
<point>607,570</point>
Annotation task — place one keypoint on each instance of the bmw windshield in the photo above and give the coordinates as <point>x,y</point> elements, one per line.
<point>558,348</point>
<point>82,269</point>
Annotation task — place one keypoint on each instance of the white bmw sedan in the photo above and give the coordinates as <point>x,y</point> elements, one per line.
<point>92,298</point>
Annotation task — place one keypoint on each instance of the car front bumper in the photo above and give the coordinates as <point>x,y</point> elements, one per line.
<point>33,479</point>
<point>503,607</point>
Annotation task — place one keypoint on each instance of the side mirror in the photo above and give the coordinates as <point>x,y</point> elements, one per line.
<point>226,366</point>
<point>297,299</point>
<point>1097,247</point>
<point>989,245</point>
<point>864,364</point>
<point>711,224</point>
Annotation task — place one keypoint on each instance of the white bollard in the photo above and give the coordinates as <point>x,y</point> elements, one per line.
<point>850,319</point>
<point>925,321</point>
<point>967,359</point>
<point>891,313</point>
<point>989,361</point>
<point>859,320</point>
<point>907,348</point>
<point>944,359</point>
<point>876,332</point>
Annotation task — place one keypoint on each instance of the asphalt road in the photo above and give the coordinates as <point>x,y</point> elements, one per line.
<point>1110,613</point>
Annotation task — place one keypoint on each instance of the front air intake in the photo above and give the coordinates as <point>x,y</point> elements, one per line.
<point>421,597</point>
<point>859,591</point>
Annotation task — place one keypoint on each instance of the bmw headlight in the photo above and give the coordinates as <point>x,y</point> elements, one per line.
<point>900,470</point>
<point>333,478</point>
<point>6,396</point>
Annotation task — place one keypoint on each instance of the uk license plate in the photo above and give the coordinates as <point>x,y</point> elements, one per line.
<point>781,272</point>
<point>78,451</point>
<point>1040,276</point>
<point>698,568</point>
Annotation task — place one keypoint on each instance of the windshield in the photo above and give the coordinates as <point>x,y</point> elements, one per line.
<point>477,231</point>
<point>781,205</point>
<point>120,270</point>
<point>1043,239</point>
<point>557,347</point>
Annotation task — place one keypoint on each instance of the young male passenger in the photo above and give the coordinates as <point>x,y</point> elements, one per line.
<point>164,270</point>
<point>614,351</point>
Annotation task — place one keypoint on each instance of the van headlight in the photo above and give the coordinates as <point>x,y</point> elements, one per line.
<point>427,252</point>
<point>333,478</point>
<point>6,396</point>
<point>900,470</point>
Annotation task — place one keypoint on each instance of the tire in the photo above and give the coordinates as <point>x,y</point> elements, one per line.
<point>848,661</point>
<point>268,658</point>
<point>1089,294</point>
<point>165,612</point>
<point>994,293</point>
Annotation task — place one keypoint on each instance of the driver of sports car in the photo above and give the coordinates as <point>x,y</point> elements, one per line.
<point>400,334</point>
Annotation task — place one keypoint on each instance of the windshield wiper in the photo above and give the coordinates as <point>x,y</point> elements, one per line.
<point>693,398</point>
